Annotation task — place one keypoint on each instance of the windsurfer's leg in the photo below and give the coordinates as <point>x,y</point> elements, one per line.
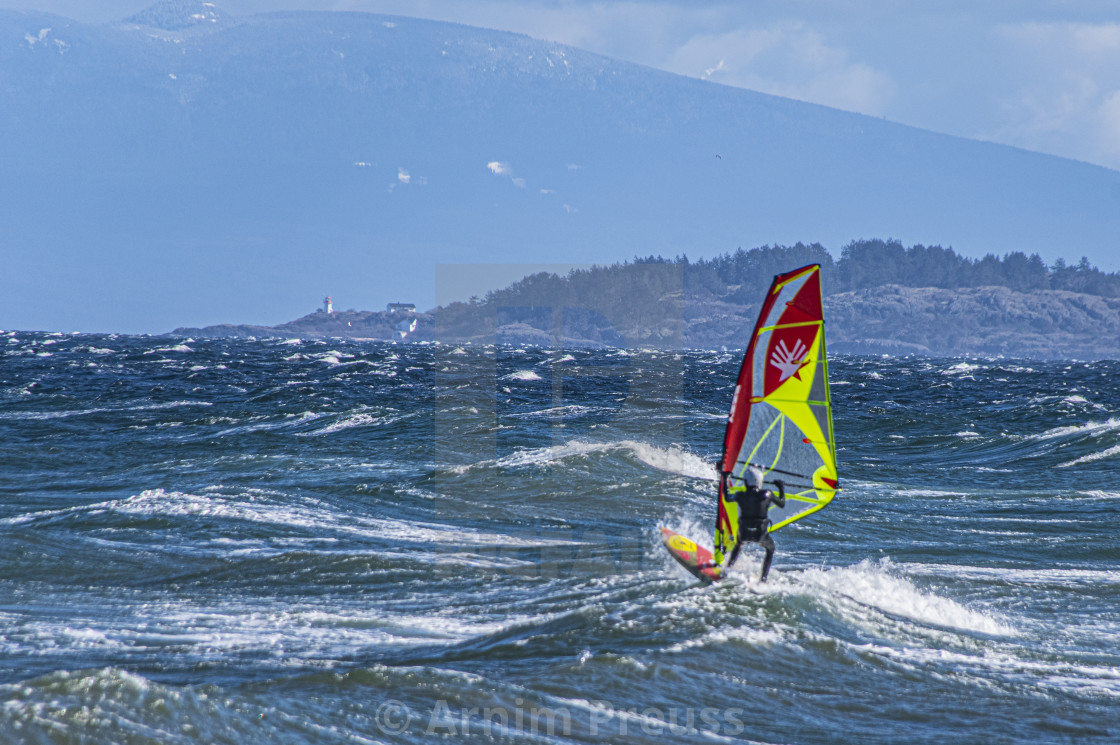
<point>767,543</point>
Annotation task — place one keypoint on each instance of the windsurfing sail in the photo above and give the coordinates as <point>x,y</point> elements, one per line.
<point>781,411</point>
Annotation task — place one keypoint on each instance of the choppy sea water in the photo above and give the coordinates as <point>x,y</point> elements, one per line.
<point>337,542</point>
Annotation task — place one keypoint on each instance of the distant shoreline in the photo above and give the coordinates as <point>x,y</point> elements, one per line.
<point>891,320</point>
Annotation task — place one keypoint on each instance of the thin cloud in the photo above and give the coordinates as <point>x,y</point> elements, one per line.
<point>500,168</point>
<point>1067,96</point>
<point>711,70</point>
<point>786,59</point>
<point>405,178</point>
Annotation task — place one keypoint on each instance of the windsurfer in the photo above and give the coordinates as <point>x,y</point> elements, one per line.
<point>754,502</point>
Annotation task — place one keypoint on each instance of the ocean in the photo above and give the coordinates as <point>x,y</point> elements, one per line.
<point>305,541</point>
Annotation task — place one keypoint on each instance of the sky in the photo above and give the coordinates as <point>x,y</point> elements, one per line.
<point>1043,75</point>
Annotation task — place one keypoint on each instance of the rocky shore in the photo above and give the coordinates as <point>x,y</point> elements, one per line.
<point>1049,324</point>
<point>894,320</point>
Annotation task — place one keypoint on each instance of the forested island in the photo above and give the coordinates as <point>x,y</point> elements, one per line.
<point>881,297</point>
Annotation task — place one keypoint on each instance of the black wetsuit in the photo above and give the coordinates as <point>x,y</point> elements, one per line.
<point>753,523</point>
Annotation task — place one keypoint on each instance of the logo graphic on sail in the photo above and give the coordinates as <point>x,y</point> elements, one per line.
<point>789,361</point>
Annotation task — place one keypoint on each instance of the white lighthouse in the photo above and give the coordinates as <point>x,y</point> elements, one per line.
<point>327,306</point>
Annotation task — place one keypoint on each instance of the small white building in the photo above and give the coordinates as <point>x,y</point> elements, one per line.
<point>401,308</point>
<point>328,307</point>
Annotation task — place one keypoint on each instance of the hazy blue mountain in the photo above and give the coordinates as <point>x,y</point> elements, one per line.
<point>188,167</point>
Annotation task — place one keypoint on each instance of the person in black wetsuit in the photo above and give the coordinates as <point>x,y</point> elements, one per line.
<point>754,502</point>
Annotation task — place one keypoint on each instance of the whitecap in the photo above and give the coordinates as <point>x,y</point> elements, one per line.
<point>961,368</point>
<point>876,585</point>
<point>357,420</point>
<point>1112,424</point>
<point>1101,494</point>
<point>273,509</point>
<point>1111,452</point>
<point>671,459</point>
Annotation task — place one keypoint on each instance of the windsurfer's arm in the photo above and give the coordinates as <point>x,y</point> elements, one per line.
<point>779,498</point>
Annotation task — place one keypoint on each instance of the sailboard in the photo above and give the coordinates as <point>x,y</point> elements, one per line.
<point>781,417</point>
<point>695,559</point>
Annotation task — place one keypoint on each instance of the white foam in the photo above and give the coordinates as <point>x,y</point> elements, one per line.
<point>1099,494</point>
<point>721,636</point>
<point>333,357</point>
<point>1026,673</point>
<point>930,493</point>
<point>292,634</point>
<point>875,584</point>
<point>1052,576</point>
<point>358,420</point>
<point>354,420</point>
<point>672,459</point>
<point>569,410</point>
<point>269,509</point>
<point>1089,428</point>
<point>960,369</point>
<point>526,375</point>
<point>1111,452</point>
